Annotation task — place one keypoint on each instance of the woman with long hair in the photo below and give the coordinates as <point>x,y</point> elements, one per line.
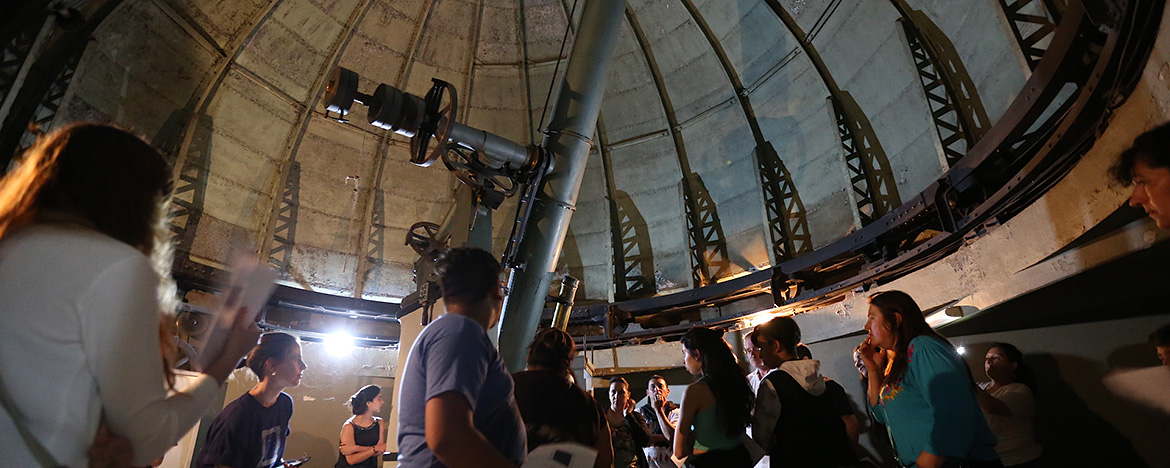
<point>715,409</point>
<point>924,394</point>
<point>251,430</point>
<point>1007,402</point>
<point>363,436</point>
<point>554,408</point>
<point>86,290</point>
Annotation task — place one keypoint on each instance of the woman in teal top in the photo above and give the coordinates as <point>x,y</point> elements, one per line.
<point>925,394</point>
<point>715,409</point>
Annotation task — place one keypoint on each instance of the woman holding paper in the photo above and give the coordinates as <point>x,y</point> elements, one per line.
<point>84,261</point>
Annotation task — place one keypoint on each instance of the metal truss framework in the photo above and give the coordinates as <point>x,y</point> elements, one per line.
<point>874,188</point>
<point>190,186</point>
<point>786,214</point>
<point>708,245</point>
<point>285,231</point>
<point>633,255</point>
<point>783,209</point>
<point>15,55</point>
<point>870,176</point>
<point>278,237</point>
<point>1091,66</point>
<point>1030,29</point>
<point>39,96</point>
<point>959,117</point>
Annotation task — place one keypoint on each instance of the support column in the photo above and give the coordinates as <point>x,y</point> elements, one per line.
<point>574,118</point>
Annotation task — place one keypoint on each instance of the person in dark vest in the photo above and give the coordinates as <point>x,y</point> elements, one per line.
<point>808,433</point>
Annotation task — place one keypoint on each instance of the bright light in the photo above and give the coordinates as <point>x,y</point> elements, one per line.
<point>961,350</point>
<point>339,344</point>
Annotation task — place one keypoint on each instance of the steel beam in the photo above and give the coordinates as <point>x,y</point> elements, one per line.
<point>633,257</point>
<point>47,80</point>
<point>784,211</point>
<point>874,188</point>
<point>573,120</point>
<point>279,235</point>
<point>955,108</point>
<point>1030,29</point>
<point>708,245</point>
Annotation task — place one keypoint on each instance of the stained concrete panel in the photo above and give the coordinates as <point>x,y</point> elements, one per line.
<point>868,56</point>
<point>290,49</point>
<point>251,126</point>
<point>226,21</point>
<point>499,34</point>
<point>449,36</point>
<point>632,105</point>
<point>694,78</point>
<point>721,149</point>
<point>382,43</point>
<point>546,23</point>
<point>648,171</point>
<point>140,68</point>
<point>496,103</point>
<point>750,33</point>
<point>591,230</point>
<point>985,46</point>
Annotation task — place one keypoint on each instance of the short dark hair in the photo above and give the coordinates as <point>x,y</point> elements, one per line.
<point>781,329</point>
<point>1161,336</point>
<point>552,349</point>
<point>802,352</point>
<point>468,274</point>
<point>272,345</point>
<point>612,380</point>
<point>360,401</point>
<point>656,377</point>
<point>1152,148</point>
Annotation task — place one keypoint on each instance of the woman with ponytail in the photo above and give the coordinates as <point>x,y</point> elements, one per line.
<point>363,436</point>
<point>715,409</point>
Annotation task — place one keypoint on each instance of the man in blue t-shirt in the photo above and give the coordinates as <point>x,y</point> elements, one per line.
<point>456,407</point>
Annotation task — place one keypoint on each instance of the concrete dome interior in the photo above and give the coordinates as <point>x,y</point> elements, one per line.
<point>249,74</point>
<point>733,136</point>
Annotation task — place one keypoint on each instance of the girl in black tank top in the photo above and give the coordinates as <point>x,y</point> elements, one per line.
<point>362,437</point>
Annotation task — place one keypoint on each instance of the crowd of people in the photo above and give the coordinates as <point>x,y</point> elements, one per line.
<point>84,280</point>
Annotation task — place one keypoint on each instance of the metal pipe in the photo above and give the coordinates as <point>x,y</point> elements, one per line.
<point>498,150</point>
<point>564,302</point>
<point>573,120</point>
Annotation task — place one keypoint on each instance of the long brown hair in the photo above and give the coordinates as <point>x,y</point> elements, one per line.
<point>905,319</point>
<point>108,179</point>
<point>723,375</point>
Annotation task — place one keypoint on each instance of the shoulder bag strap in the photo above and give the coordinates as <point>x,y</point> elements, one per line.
<point>30,441</point>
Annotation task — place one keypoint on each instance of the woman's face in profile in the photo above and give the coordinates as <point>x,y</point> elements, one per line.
<point>376,404</point>
<point>288,372</point>
<point>880,332</point>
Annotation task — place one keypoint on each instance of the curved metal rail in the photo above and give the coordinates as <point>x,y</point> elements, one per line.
<point>1092,64</point>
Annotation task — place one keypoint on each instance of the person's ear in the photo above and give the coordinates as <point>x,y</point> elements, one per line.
<point>897,320</point>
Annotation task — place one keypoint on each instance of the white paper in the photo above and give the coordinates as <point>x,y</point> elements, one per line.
<point>561,455</point>
<point>250,286</point>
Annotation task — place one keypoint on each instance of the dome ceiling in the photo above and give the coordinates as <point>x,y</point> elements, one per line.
<point>697,90</point>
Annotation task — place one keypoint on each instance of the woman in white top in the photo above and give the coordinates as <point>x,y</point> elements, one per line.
<point>1008,405</point>
<point>80,221</point>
